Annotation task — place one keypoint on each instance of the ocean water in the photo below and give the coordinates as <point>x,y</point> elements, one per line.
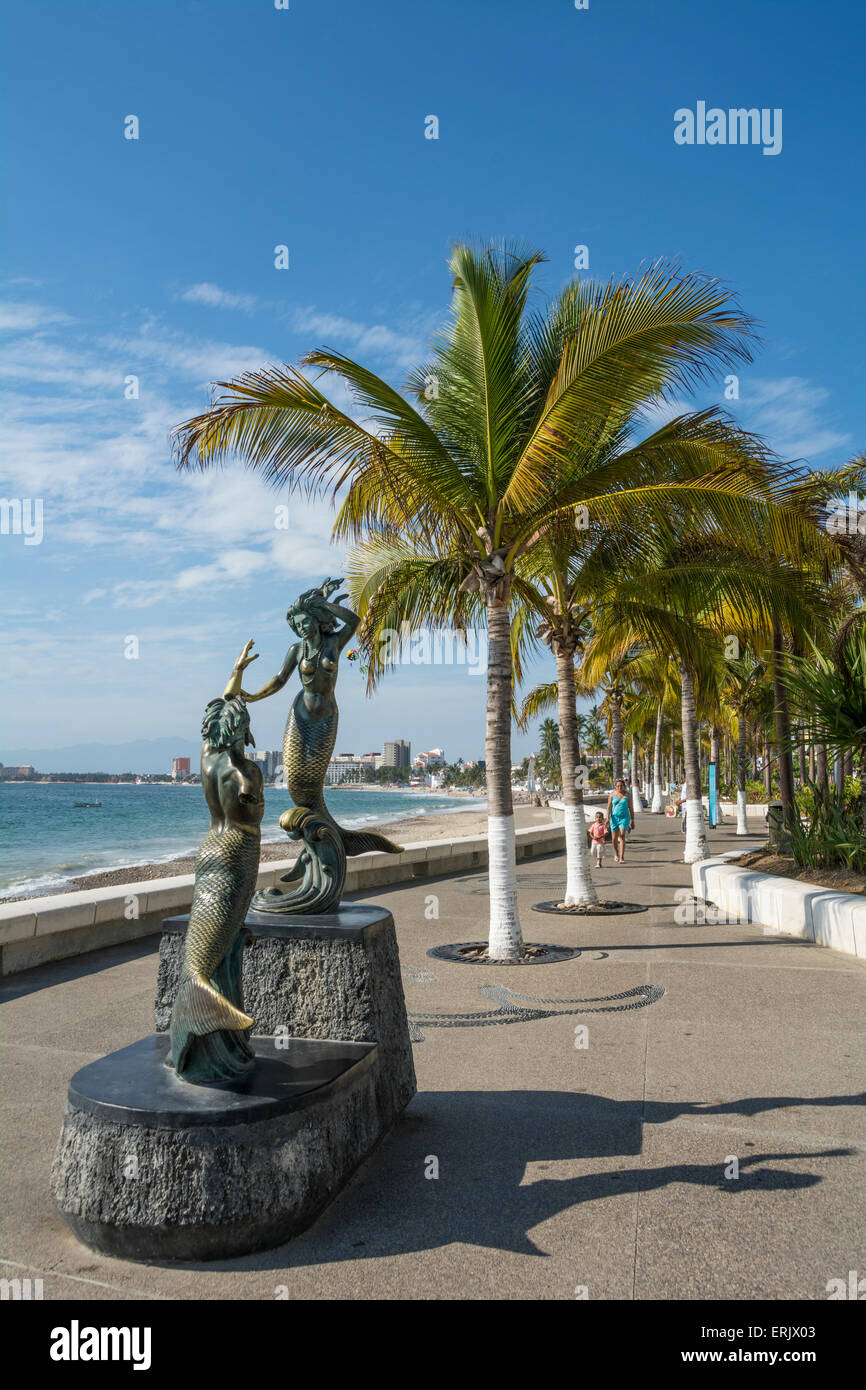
<point>45,839</point>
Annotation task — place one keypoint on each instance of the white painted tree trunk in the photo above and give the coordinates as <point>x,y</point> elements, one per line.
<point>505,937</point>
<point>742,822</point>
<point>696,833</point>
<point>696,826</point>
<point>579,888</point>
<point>658,803</point>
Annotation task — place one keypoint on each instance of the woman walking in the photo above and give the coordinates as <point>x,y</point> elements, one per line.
<point>620,818</point>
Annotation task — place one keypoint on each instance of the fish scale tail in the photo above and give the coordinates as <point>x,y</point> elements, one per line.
<point>201,1009</point>
<point>363,841</point>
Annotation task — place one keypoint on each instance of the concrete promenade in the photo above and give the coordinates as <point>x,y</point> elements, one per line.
<point>560,1168</point>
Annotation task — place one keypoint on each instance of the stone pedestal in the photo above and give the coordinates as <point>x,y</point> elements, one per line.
<point>150,1167</point>
<point>332,975</point>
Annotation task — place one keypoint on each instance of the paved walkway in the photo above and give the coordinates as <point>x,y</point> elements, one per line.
<point>559,1168</point>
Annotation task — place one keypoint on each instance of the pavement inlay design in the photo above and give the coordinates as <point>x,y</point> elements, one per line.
<point>531,953</point>
<point>610,908</point>
<point>417,972</point>
<point>511,1008</point>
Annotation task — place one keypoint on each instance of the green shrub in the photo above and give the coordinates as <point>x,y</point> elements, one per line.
<point>829,836</point>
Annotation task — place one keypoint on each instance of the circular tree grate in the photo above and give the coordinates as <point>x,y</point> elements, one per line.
<point>611,908</point>
<point>475,953</point>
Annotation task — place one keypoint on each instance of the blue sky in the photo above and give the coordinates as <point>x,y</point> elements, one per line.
<point>305,127</point>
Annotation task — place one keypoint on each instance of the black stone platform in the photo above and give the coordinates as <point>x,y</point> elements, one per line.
<point>152,1168</point>
<point>333,975</point>
<point>134,1086</point>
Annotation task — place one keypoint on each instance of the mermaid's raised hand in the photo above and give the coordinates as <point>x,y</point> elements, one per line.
<point>245,658</point>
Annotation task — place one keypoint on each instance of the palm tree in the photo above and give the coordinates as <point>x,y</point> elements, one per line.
<point>519,418</point>
<point>685,601</point>
<point>553,587</point>
<point>548,756</point>
<point>741,682</point>
<point>829,691</point>
<point>596,739</point>
<point>614,683</point>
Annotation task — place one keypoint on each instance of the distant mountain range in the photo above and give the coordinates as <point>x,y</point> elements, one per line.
<point>141,755</point>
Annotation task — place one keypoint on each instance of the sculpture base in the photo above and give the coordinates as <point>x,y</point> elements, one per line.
<point>151,1168</point>
<point>329,975</point>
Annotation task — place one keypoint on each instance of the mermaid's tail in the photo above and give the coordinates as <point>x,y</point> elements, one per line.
<point>307,749</point>
<point>362,841</point>
<point>201,1009</point>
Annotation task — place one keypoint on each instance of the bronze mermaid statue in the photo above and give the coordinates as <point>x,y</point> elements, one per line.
<point>209,1029</point>
<point>316,881</point>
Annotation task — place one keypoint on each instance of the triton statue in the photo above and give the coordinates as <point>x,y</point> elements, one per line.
<point>316,881</point>
<point>209,1028</point>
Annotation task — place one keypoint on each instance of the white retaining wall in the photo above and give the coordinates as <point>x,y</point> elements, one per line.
<point>37,930</point>
<point>783,905</point>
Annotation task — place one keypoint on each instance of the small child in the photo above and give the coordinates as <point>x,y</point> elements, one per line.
<point>597,832</point>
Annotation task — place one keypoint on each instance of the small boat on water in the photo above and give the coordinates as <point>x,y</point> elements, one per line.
<point>87,803</point>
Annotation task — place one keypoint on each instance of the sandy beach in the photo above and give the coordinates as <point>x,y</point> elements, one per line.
<point>439,826</point>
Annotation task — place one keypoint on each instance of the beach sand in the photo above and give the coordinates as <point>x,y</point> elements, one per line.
<point>449,825</point>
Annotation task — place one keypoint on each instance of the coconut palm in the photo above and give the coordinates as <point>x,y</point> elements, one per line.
<point>518,418</point>
<point>554,588</point>
<point>741,683</point>
<point>548,755</point>
<point>686,601</point>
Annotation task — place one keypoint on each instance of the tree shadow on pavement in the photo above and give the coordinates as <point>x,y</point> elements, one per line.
<point>482,1142</point>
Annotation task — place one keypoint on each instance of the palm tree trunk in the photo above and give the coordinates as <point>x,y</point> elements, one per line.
<point>658,807</point>
<point>579,887</point>
<point>804,770</point>
<point>715,750</point>
<point>821,773</point>
<point>616,737</point>
<point>505,939</point>
<point>742,820</point>
<point>636,798</point>
<point>696,832</point>
<point>783,730</point>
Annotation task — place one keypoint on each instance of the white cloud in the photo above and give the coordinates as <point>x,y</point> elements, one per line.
<point>24,318</point>
<point>789,413</point>
<point>212,297</point>
<point>368,339</point>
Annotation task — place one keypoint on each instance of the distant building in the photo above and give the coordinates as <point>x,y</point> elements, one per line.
<point>397,753</point>
<point>434,757</point>
<point>344,768</point>
<point>179,768</point>
<point>347,767</point>
<point>16,773</point>
<point>270,760</point>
